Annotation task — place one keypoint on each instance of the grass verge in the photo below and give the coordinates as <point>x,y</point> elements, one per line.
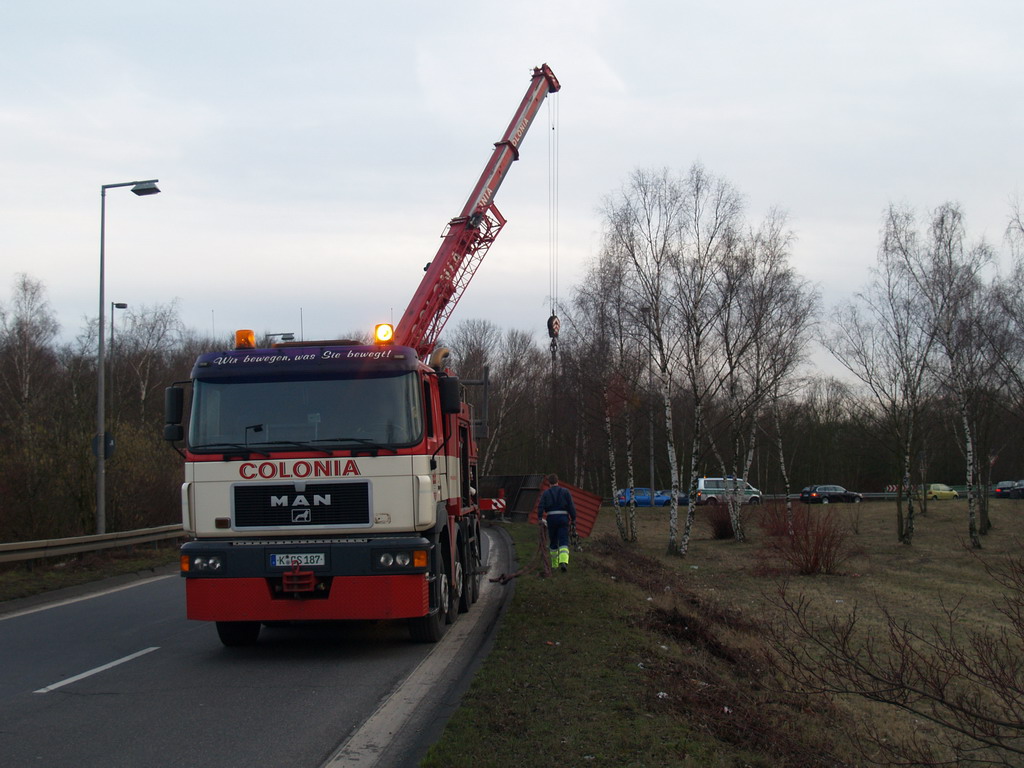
<point>619,662</point>
<point>27,579</point>
<point>639,658</point>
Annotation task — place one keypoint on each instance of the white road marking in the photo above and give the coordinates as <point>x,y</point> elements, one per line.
<point>89,596</point>
<point>95,671</point>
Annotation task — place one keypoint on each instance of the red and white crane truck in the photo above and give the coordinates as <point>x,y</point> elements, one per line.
<point>334,480</point>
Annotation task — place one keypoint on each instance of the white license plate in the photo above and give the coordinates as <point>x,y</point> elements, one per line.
<point>307,558</point>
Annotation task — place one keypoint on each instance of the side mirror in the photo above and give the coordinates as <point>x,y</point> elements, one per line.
<point>451,395</point>
<point>174,409</point>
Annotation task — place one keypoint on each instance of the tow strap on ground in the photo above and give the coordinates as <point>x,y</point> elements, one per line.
<point>542,556</point>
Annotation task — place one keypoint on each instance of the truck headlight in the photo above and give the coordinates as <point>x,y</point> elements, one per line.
<point>205,564</point>
<point>401,560</point>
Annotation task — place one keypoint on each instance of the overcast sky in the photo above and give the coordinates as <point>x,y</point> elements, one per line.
<point>310,152</point>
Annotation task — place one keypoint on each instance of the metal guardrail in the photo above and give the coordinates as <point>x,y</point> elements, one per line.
<point>32,550</point>
<point>882,496</point>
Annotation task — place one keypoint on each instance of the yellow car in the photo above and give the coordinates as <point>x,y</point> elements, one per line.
<point>939,491</point>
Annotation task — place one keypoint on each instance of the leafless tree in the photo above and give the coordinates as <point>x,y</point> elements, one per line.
<point>885,339</point>
<point>146,345</point>
<point>947,276</point>
<point>713,221</point>
<point>1006,335</point>
<point>601,325</point>
<point>722,308</point>
<point>28,375</point>
<point>515,369</point>
<point>645,226</point>
<point>27,330</point>
<point>472,342</point>
<point>764,335</point>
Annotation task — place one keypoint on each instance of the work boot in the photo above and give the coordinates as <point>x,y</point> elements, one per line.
<point>564,567</point>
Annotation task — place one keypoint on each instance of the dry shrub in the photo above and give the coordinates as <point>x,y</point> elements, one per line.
<point>817,544</point>
<point>773,520</point>
<point>720,521</point>
<point>965,679</point>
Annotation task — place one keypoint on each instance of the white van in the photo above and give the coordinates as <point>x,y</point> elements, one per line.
<point>712,490</point>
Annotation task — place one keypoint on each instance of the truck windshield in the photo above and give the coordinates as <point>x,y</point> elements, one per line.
<point>283,414</point>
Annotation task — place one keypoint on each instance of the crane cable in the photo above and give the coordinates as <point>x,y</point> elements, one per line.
<point>553,172</point>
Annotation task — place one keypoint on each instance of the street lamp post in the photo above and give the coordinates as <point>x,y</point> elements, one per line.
<point>100,446</point>
<point>113,350</point>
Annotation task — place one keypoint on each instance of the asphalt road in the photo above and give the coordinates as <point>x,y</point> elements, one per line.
<point>119,677</point>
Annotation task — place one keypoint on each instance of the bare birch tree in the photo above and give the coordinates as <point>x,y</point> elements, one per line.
<point>1006,336</point>
<point>885,339</point>
<point>27,329</point>
<point>28,368</point>
<point>601,324</point>
<point>645,223</point>
<point>947,276</point>
<point>763,329</point>
<point>714,210</point>
<point>145,345</point>
<point>515,367</point>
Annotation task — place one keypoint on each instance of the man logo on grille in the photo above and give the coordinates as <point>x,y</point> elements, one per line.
<point>302,515</point>
<point>301,500</point>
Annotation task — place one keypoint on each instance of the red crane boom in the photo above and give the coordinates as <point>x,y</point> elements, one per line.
<point>470,234</point>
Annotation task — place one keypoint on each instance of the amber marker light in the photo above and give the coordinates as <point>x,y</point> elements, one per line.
<point>383,333</point>
<point>245,339</point>
<point>184,563</point>
<point>419,558</point>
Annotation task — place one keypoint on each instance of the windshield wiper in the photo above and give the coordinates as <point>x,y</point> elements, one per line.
<point>236,446</point>
<point>360,440</point>
<point>296,444</point>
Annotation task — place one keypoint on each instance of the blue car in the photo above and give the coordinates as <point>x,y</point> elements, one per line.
<point>642,497</point>
<point>682,498</point>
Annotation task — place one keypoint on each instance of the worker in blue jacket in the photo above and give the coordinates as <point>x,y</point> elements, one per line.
<point>557,509</point>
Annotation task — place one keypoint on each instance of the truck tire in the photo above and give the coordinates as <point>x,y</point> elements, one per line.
<point>457,572</point>
<point>238,633</point>
<point>431,628</point>
<point>474,562</point>
<point>470,551</point>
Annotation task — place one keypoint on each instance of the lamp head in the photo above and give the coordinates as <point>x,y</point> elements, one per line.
<point>146,188</point>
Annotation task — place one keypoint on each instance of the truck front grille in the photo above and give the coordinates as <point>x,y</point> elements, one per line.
<point>316,504</point>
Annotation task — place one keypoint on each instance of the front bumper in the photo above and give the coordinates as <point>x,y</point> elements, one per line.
<point>349,584</point>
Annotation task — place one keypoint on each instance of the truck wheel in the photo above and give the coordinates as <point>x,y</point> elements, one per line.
<point>457,571</point>
<point>238,633</point>
<point>470,551</point>
<point>474,562</point>
<point>431,628</point>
